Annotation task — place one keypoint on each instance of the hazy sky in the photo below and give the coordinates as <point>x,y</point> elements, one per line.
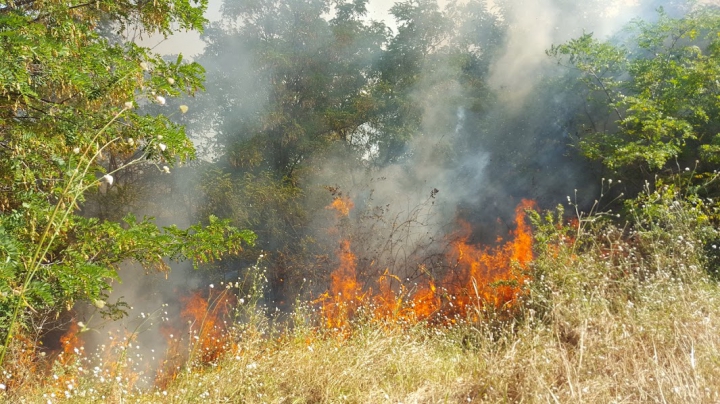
<point>189,43</point>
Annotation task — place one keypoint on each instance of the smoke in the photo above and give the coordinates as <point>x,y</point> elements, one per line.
<point>493,127</point>
<point>474,163</point>
<point>531,26</point>
<point>478,148</point>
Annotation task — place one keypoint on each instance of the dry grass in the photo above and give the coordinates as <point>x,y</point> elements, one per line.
<point>611,317</point>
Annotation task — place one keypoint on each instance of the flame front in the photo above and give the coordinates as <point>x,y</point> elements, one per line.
<point>71,343</point>
<point>206,324</point>
<point>492,276</point>
<point>345,292</point>
<point>478,277</point>
<point>209,336</point>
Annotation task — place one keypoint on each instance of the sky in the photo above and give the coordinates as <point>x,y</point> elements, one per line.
<point>190,44</point>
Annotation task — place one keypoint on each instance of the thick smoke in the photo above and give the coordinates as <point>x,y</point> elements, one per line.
<point>471,158</point>
<point>474,165</point>
<point>483,161</point>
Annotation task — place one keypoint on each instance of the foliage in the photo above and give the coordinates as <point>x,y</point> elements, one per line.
<point>315,99</point>
<point>659,84</point>
<point>70,83</point>
<point>302,85</point>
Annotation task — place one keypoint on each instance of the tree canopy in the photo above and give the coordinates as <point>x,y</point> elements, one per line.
<point>72,82</point>
<point>659,85</point>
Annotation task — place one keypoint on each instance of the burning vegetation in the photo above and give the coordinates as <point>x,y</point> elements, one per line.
<point>476,278</point>
<point>388,296</point>
<point>582,289</point>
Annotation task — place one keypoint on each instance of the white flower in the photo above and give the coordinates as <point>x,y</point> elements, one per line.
<point>129,105</point>
<point>2,386</point>
<point>171,80</point>
<point>131,141</point>
<point>108,178</point>
<point>144,65</point>
<point>162,146</point>
<point>183,108</point>
<point>166,169</point>
<point>160,137</point>
<point>160,99</point>
<point>99,303</point>
<point>76,150</point>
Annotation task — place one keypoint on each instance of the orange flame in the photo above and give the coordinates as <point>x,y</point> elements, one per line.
<point>209,337</point>
<point>493,276</point>
<point>342,205</point>
<point>71,343</point>
<point>480,277</point>
<point>345,292</point>
<point>206,322</point>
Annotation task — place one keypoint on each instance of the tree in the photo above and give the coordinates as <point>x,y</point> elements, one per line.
<point>70,87</point>
<point>307,99</point>
<point>660,88</point>
<point>299,82</point>
<point>296,82</point>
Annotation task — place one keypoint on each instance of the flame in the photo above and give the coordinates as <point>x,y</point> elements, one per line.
<point>208,333</point>
<point>206,323</point>
<point>342,205</point>
<point>492,276</point>
<point>71,344</point>
<point>424,303</point>
<point>479,277</point>
<point>345,293</point>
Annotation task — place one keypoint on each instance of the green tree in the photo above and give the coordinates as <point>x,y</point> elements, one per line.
<point>70,87</point>
<point>307,95</point>
<point>295,83</point>
<point>299,82</point>
<point>659,85</point>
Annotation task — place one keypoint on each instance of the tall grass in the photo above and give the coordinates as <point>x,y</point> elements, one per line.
<point>621,314</point>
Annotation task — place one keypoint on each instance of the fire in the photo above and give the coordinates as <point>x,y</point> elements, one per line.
<point>71,343</point>
<point>345,292</point>
<point>342,205</point>
<point>425,302</point>
<point>208,333</point>
<point>206,323</point>
<point>492,276</point>
<point>478,277</point>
